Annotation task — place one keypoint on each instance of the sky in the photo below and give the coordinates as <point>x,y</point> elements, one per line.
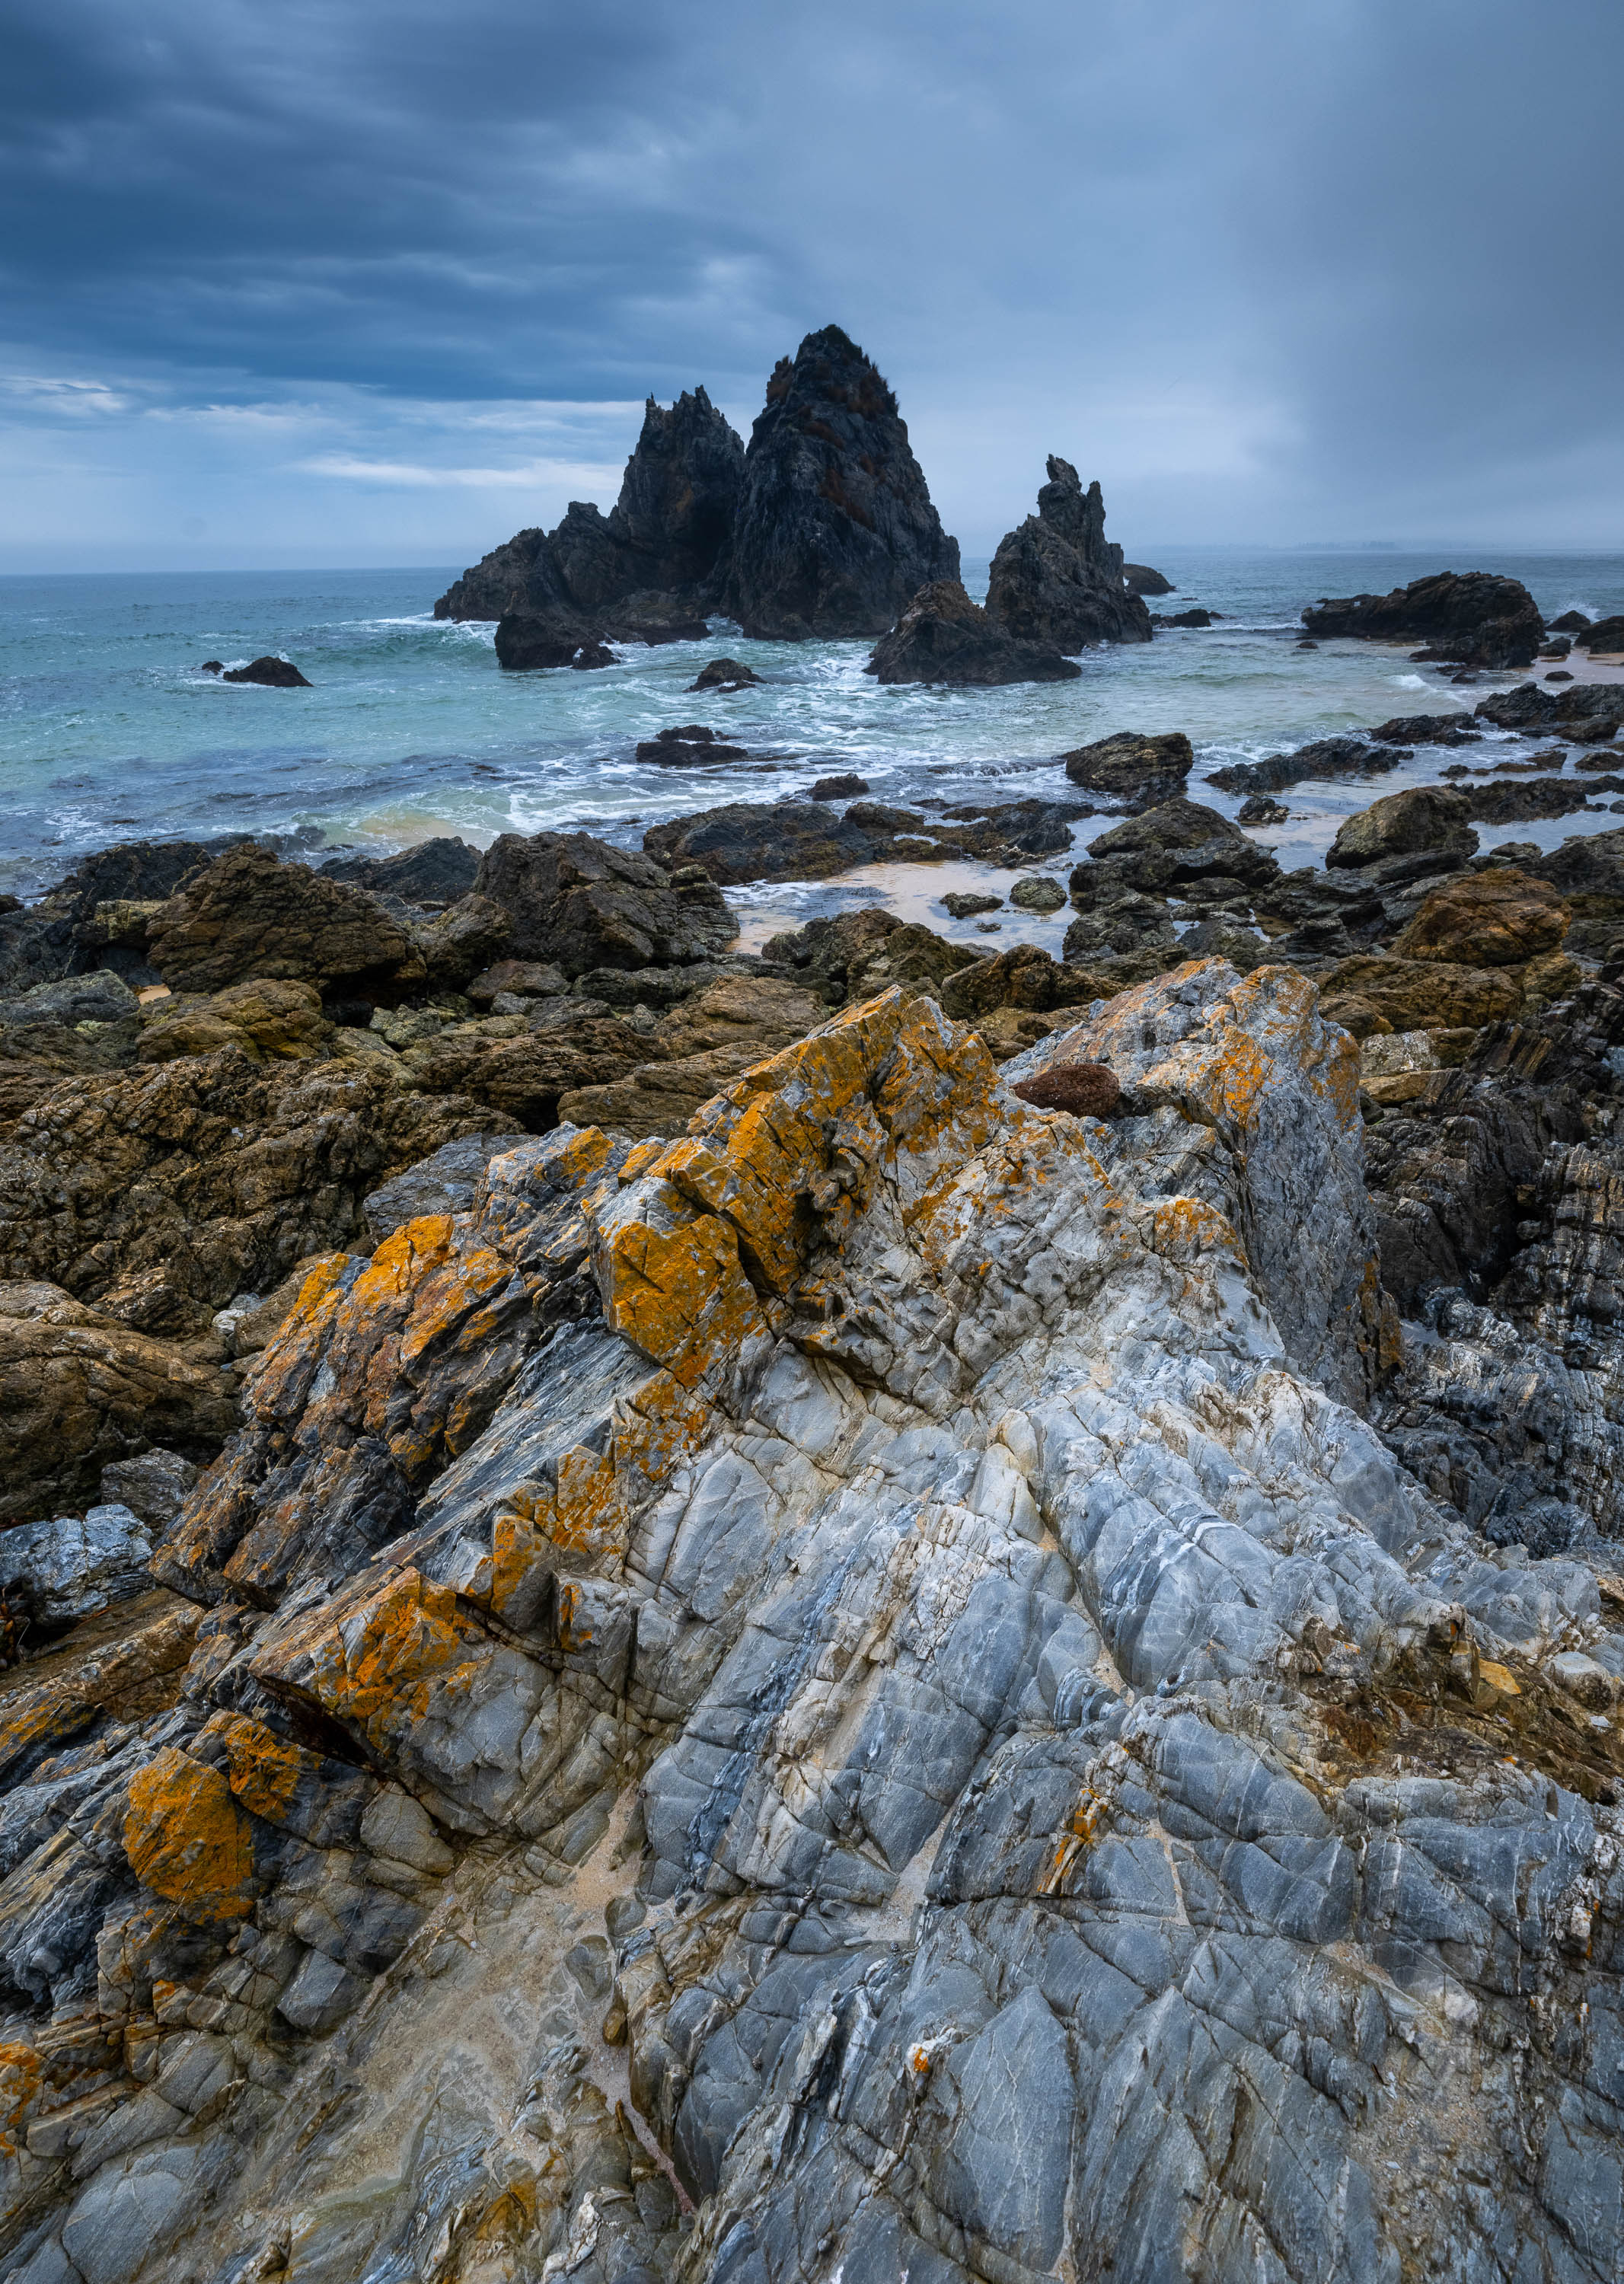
<point>338,282</point>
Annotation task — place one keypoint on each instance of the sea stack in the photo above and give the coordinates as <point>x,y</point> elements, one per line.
<point>650,570</point>
<point>836,532</point>
<point>1057,579</point>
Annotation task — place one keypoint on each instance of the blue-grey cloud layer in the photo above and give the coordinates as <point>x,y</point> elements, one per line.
<point>1284,270</point>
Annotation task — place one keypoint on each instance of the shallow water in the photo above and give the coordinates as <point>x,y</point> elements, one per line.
<point>107,731</point>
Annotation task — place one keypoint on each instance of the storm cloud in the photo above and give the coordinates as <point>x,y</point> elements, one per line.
<point>340,282</point>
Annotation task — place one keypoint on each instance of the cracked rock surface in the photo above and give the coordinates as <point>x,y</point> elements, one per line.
<point>851,1694</point>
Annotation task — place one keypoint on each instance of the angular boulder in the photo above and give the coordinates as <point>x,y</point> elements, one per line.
<point>1057,579</point>
<point>1141,579</point>
<point>942,637</point>
<point>580,903</point>
<point>270,673</point>
<point>251,915</point>
<point>1497,918</point>
<point>1422,820</point>
<point>1141,769</point>
<point>835,530</point>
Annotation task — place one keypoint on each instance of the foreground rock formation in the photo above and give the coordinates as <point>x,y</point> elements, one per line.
<point>1057,579</point>
<point>850,1694</point>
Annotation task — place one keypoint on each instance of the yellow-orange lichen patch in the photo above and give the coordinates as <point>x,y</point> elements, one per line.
<point>371,1665</point>
<point>1071,1842</point>
<point>677,1291</point>
<point>1181,1229</point>
<point>19,2086</point>
<point>263,1769</point>
<point>575,1630</point>
<point>658,1426</point>
<point>187,1839</point>
<point>402,1260</point>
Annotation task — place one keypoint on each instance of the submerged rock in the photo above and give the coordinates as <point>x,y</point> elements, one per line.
<point>1474,618</point>
<point>691,747</point>
<point>835,530</point>
<point>1324,757</point>
<point>1056,579</point>
<point>943,637</point>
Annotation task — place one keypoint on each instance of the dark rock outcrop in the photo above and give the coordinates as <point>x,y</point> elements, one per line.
<point>835,530</point>
<point>1057,580</point>
<point>1198,617</point>
<point>1427,730</point>
<point>1325,758</point>
<point>1141,579</point>
<point>943,637</point>
<point>725,674</point>
<point>434,873</point>
<point>854,955</point>
<point>846,785</point>
<point>1577,711</point>
<point>272,673</point>
<point>529,641</point>
<point>808,840</point>
<point>689,747</point>
<point>1141,770</point>
<point>649,569</point>
<point>580,903</point>
<point>1475,618</point>
<point>1607,634</point>
<point>250,915</point>
<point>1570,623</point>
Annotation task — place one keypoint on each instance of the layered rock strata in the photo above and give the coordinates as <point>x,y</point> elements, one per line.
<point>836,1696</point>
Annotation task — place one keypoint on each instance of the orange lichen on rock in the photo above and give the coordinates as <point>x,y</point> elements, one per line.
<point>1071,1842</point>
<point>1182,1230</point>
<point>263,1769</point>
<point>20,2087</point>
<point>370,1664</point>
<point>672,1282</point>
<point>188,1840</point>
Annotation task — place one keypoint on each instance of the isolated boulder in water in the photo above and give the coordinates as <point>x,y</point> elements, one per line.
<point>1423,819</point>
<point>688,746</point>
<point>581,903</point>
<point>665,542</point>
<point>835,531</point>
<point>1142,770</point>
<point>250,915</point>
<point>274,673</point>
<point>1057,579</point>
<point>943,637</point>
<point>1475,618</point>
<point>1141,579</point>
<point>725,674</point>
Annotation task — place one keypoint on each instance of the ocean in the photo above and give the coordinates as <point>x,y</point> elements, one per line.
<point>108,732</point>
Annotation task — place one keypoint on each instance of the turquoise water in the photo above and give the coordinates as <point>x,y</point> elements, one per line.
<point>108,732</point>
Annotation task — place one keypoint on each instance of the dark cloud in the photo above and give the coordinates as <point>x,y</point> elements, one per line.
<point>1284,271</point>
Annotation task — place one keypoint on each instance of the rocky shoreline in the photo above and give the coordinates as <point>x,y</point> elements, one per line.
<point>881,1607</point>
